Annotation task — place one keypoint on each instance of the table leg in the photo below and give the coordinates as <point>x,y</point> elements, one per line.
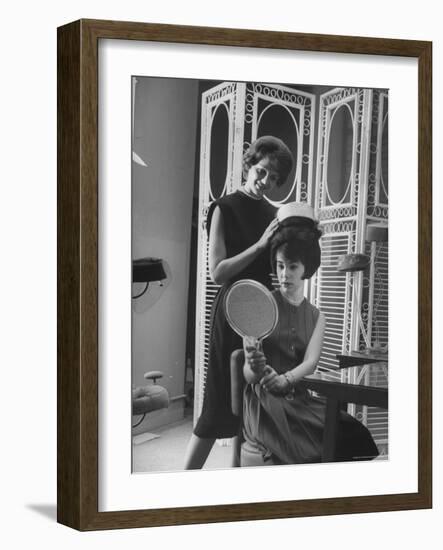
<point>331,429</point>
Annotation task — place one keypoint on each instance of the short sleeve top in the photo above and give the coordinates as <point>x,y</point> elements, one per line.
<point>244,221</point>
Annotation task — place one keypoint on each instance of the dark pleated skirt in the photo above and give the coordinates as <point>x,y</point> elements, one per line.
<point>216,419</point>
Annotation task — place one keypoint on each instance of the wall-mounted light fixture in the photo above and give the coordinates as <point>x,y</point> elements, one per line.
<point>147,270</point>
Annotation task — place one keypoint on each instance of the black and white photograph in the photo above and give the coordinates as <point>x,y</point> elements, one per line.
<point>260,273</point>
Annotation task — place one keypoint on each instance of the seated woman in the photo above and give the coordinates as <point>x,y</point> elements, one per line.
<point>283,423</point>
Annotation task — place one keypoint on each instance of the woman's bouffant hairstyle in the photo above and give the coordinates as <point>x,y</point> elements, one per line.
<point>276,150</point>
<point>298,240</point>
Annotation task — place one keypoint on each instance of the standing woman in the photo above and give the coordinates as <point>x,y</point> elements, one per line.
<point>240,226</point>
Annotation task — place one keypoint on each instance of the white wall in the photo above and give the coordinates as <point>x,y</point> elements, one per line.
<point>28,305</point>
<point>165,132</point>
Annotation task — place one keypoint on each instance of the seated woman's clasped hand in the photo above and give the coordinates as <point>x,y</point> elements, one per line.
<point>275,383</point>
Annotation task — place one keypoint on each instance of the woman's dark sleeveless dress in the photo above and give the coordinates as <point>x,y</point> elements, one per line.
<point>290,430</point>
<point>244,221</point>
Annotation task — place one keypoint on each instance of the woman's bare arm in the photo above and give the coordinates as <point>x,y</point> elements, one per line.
<point>221,268</point>
<point>313,352</point>
<point>280,383</point>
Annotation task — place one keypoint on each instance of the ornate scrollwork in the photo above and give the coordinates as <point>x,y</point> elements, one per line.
<point>338,227</point>
<point>337,212</point>
<point>220,93</point>
<point>259,98</point>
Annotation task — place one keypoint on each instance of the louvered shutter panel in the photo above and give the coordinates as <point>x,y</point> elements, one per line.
<point>331,289</point>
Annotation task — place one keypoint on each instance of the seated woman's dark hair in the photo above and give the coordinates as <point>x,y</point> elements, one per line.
<point>298,240</point>
<point>276,150</point>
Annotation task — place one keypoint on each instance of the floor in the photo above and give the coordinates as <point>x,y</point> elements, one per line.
<point>167,452</point>
<point>164,450</point>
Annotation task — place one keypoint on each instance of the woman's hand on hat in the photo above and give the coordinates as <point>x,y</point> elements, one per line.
<point>262,243</point>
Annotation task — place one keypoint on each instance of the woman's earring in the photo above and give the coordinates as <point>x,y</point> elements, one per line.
<point>245,172</point>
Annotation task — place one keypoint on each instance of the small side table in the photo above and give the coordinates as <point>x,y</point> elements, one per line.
<point>337,394</point>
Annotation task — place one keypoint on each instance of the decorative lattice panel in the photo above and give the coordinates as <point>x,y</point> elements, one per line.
<point>341,182</point>
<point>375,307</point>
<point>222,115</point>
<point>288,114</point>
<point>252,110</point>
<point>352,192</point>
